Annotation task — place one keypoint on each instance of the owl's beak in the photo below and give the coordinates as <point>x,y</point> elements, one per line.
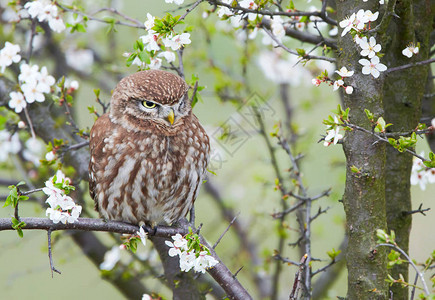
<point>171,116</point>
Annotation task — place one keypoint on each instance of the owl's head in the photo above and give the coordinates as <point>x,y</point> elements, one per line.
<point>150,97</point>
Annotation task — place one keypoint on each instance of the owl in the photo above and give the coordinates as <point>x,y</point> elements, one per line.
<point>149,153</point>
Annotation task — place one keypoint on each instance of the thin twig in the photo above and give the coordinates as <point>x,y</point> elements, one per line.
<point>237,272</point>
<point>237,8</point>
<point>76,146</point>
<point>419,210</point>
<point>414,287</point>
<point>30,123</point>
<point>323,268</point>
<point>116,12</point>
<point>286,260</point>
<point>420,274</point>
<point>195,90</point>
<point>50,256</point>
<point>319,212</point>
<point>90,17</point>
<point>306,56</point>
<point>32,35</point>
<point>346,124</point>
<point>225,231</point>
<point>403,67</point>
<point>190,9</point>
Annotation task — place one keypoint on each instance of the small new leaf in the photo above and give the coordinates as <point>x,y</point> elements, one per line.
<point>333,253</point>
<point>370,115</point>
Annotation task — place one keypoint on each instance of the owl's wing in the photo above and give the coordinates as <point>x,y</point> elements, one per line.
<point>100,130</point>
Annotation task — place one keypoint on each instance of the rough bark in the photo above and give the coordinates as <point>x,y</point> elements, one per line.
<point>403,92</point>
<point>364,196</point>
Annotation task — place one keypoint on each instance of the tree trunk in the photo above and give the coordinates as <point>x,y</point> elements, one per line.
<point>364,196</point>
<point>403,91</point>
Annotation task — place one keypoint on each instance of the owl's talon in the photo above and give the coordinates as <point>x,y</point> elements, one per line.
<point>151,232</point>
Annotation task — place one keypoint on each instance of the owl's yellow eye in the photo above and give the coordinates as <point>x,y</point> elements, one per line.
<point>148,104</point>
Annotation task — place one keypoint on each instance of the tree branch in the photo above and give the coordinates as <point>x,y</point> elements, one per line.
<point>220,272</point>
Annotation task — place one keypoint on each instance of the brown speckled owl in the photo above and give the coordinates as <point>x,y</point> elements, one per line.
<point>149,153</point>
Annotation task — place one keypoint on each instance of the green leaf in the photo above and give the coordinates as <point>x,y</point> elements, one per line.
<point>144,57</point>
<point>369,115</point>
<point>301,52</point>
<point>97,92</point>
<point>333,254</point>
<point>354,169</point>
<point>382,236</point>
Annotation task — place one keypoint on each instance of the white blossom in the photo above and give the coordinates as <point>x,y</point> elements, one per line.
<point>337,84</point>
<point>142,235</point>
<point>149,23</point>
<point>249,4</point>
<point>9,144</point>
<point>55,215</point>
<point>45,80</point>
<point>53,193</point>
<point>32,92</point>
<point>178,2</point>
<point>111,257</point>
<point>28,73</point>
<point>360,19</point>
<point>332,135</point>
<point>369,48</point>
<point>62,207</point>
<point>80,59</point>
<point>223,10</point>
<point>343,72</point>
<point>277,27</point>
<point>150,41</point>
<point>333,31</point>
<point>347,24</point>
<point>316,81</point>
<point>17,101</point>
<point>45,11</point>
<point>33,151</point>
<point>370,17</point>
<point>50,156</point>
<point>177,41</point>
<point>155,63</point>
<point>373,67</point>
<point>348,89</point>
<point>56,24</point>
<point>204,261</point>
<point>187,261</point>
<point>8,55</point>
<point>418,173</point>
<point>72,84</point>
<point>200,262</point>
<point>410,50</point>
<point>21,125</point>
<point>168,55</point>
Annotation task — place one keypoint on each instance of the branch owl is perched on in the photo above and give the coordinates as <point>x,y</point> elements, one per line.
<point>149,153</point>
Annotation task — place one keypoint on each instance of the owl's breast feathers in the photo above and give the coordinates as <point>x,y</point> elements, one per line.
<point>146,175</point>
